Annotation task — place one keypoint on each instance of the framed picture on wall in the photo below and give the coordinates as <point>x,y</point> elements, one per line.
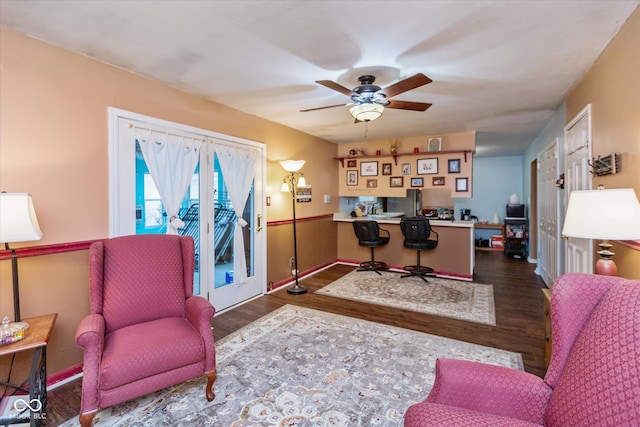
<point>428,166</point>
<point>454,165</point>
<point>351,163</point>
<point>368,169</point>
<point>352,177</point>
<point>386,169</point>
<point>417,182</point>
<point>396,181</point>
<point>372,183</point>
<point>462,185</point>
<point>406,169</point>
<point>437,180</point>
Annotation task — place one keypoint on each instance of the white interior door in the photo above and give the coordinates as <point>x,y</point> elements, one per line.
<point>579,252</point>
<point>548,198</point>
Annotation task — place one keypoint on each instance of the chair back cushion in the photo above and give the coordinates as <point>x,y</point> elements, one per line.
<point>366,231</point>
<point>416,232</point>
<point>136,279</point>
<point>600,382</point>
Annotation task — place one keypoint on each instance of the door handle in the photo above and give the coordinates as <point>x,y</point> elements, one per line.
<point>259,222</point>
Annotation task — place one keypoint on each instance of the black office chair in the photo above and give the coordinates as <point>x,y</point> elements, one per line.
<point>417,232</point>
<point>368,233</point>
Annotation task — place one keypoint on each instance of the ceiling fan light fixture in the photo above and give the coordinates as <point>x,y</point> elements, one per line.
<point>366,112</point>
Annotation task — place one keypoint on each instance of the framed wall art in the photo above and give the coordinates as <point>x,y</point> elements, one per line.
<point>434,144</point>
<point>368,169</point>
<point>352,177</point>
<point>396,181</point>
<point>428,166</point>
<point>437,180</point>
<point>462,185</point>
<point>417,182</point>
<point>386,169</point>
<point>372,183</point>
<point>454,165</point>
<point>406,169</point>
<point>351,163</point>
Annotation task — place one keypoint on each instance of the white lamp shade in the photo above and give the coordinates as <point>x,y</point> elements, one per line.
<point>603,214</point>
<point>18,221</point>
<point>366,112</point>
<point>292,165</point>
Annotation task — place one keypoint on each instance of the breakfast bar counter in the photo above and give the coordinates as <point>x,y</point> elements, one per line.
<point>453,257</point>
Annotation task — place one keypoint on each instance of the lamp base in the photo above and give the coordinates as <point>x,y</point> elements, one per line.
<point>297,289</point>
<point>605,265</point>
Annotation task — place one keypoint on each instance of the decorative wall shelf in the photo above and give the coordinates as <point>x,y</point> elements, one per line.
<point>396,155</point>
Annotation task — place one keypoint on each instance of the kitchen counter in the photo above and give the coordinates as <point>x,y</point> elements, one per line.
<point>452,258</point>
<point>385,219</point>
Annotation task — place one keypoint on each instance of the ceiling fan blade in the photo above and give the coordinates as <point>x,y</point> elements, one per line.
<point>323,108</point>
<point>402,86</point>
<point>408,105</point>
<point>337,87</point>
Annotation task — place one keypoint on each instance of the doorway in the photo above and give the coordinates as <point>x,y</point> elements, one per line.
<point>228,236</point>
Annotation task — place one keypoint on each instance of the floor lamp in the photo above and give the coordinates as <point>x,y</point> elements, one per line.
<point>18,223</point>
<point>604,215</point>
<point>290,182</point>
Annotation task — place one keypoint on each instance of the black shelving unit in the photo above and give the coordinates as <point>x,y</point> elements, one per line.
<point>516,231</point>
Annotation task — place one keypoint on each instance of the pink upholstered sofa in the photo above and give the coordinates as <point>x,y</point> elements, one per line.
<point>146,330</point>
<point>593,377</point>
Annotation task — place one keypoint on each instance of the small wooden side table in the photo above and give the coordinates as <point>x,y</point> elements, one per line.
<point>37,338</point>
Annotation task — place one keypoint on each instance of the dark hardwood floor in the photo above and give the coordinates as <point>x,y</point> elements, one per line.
<point>519,318</point>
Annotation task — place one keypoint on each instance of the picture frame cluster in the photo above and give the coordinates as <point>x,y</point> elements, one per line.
<point>370,169</point>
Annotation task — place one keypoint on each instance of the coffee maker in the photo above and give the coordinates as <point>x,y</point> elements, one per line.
<point>465,214</point>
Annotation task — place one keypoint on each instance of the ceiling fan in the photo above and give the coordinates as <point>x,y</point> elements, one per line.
<point>370,100</point>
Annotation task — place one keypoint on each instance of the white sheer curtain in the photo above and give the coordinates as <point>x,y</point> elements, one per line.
<point>171,159</point>
<point>238,170</point>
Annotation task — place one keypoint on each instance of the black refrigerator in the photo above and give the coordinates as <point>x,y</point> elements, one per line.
<point>516,233</point>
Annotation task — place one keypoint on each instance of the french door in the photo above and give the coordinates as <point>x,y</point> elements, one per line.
<point>207,212</point>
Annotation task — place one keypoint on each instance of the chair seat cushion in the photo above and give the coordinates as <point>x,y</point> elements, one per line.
<point>420,244</point>
<point>140,351</point>
<point>374,243</point>
<point>427,414</point>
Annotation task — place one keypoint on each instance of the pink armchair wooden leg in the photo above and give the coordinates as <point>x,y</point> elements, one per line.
<point>87,418</point>
<point>211,377</point>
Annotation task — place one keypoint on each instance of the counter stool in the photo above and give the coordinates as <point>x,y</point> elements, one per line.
<point>416,232</point>
<point>368,233</point>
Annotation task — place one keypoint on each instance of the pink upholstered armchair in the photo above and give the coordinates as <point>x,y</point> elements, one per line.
<point>146,331</point>
<point>593,378</point>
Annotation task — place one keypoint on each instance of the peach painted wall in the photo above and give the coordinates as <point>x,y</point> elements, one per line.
<point>611,87</point>
<point>54,145</point>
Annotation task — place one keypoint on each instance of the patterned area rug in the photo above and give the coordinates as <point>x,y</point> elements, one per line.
<point>303,367</point>
<point>448,298</point>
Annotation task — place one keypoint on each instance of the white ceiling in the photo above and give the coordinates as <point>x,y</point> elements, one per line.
<point>500,68</point>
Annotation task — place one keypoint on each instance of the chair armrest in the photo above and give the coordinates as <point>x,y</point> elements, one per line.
<point>90,337</point>
<point>386,231</point>
<point>491,389</point>
<point>199,313</point>
<point>90,333</point>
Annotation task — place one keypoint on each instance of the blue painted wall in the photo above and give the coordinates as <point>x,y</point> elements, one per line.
<point>495,179</point>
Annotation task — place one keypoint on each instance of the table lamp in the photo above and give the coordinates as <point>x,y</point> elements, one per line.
<point>605,215</point>
<point>18,223</point>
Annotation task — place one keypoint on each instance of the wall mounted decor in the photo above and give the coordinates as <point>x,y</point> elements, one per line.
<point>428,166</point>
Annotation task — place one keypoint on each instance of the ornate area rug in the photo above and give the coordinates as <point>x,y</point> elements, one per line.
<point>449,298</point>
<point>303,367</point>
